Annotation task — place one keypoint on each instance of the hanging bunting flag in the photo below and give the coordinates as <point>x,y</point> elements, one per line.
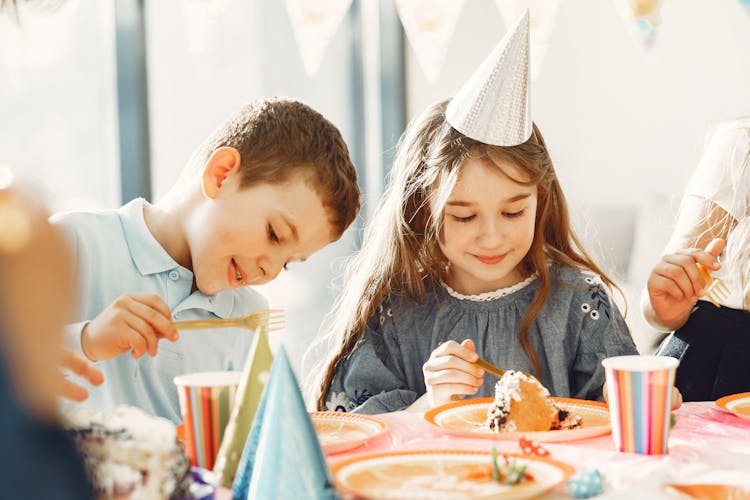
<point>642,19</point>
<point>315,23</point>
<point>543,14</point>
<point>429,25</point>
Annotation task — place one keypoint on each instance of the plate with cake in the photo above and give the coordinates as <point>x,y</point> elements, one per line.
<point>339,431</point>
<point>131,454</point>
<point>522,406</point>
<point>448,474</point>
<point>739,404</point>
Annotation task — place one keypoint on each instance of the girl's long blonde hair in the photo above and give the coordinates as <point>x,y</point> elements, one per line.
<point>400,248</point>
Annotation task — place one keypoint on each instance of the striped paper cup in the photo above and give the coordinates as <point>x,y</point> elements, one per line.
<point>639,394</point>
<point>206,401</point>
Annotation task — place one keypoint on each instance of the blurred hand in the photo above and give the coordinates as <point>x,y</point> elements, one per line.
<point>79,365</point>
<point>675,284</point>
<point>450,374</point>
<point>132,322</point>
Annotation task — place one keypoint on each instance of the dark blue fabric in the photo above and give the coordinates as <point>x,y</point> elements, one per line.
<point>713,347</point>
<point>37,460</point>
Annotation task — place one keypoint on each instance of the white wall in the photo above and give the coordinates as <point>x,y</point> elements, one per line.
<point>58,101</point>
<point>624,127</point>
<point>619,122</point>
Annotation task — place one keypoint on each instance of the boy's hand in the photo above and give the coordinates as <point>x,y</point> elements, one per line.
<point>450,373</point>
<point>133,321</point>
<point>675,284</point>
<point>79,365</point>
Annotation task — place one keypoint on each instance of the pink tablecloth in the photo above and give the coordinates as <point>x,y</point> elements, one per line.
<point>706,446</point>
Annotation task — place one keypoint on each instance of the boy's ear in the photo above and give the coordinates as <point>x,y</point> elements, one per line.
<point>219,165</point>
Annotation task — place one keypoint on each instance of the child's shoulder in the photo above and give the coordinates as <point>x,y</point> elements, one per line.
<point>575,281</point>
<point>75,223</point>
<point>83,218</point>
<point>400,305</point>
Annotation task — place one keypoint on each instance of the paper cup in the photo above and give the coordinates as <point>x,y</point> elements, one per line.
<point>206,401</point>
<point>639,394</point>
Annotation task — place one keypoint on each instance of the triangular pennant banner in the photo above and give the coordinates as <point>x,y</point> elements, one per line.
<point>254,379</point>
<point>429,25</point>
<point>282,457</point>
<point>543,14</point>
<point>315,23</point>
<point>642,19</point>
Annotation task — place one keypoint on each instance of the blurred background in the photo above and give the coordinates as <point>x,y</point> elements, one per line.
<point>102,101</point>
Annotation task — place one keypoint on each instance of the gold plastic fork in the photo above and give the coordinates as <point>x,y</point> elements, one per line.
<point>717,290</point>
<point>489,368</point>
<point>269,319</point>
<point>494,370</point>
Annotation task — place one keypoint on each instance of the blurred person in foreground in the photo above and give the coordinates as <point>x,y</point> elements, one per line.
<point>36,284</point>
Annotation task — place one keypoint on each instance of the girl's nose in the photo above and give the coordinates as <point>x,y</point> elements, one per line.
<point>492,234</point>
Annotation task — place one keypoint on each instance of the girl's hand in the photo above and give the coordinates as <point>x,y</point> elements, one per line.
<point>675,284</point>
<point>450,373</point>
<point>79,365</point>
<point>133,321</point>
<point>676,398</point>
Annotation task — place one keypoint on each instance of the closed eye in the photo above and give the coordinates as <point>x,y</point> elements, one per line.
<point>513,215</point>
<point>463,219</point>
<point>272,236</point>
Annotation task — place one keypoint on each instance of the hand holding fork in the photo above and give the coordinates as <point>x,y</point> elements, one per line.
<point>269,319</point>
<point>679,279</point>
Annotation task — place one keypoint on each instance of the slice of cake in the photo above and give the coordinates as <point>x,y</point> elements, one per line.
<point>523,404</point>
<point>131,455</point>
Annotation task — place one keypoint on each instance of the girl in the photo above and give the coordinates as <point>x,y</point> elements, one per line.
<point>471,254</point>
<point>712,343</point>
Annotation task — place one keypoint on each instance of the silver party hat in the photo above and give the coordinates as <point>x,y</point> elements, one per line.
<point>493,105</point>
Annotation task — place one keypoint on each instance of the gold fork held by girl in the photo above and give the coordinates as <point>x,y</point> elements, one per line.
<point>269,319</point>
<point>716,290</point>
<point>489,368</point>
<point>494,370</point>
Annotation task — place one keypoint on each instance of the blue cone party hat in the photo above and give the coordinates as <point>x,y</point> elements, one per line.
<point>282,458</point>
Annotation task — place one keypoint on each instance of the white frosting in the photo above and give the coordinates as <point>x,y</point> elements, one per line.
<point>156,431</point>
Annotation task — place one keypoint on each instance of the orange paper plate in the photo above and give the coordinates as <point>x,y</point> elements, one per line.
<point>739,404</point>
<point>338,431</point>
<point>466,418</point>
<point>709,491</point>
<point>442,474</point>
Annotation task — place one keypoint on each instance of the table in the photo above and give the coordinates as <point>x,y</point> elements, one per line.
<point>706,445</point>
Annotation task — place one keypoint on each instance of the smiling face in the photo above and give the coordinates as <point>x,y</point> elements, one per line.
<point>245,236</point>
<point>488,227</point>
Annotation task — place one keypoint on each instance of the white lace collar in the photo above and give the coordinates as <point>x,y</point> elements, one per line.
<point>487,296</point>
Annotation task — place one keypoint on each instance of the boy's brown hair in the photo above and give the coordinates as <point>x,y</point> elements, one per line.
<point>278,138</point>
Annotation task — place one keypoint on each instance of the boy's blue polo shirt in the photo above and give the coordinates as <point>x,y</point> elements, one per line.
<point>115,253</point>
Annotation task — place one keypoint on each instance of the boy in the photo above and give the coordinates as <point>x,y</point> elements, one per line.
<point>271,186</point>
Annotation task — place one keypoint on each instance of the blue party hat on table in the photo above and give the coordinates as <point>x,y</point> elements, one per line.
<point>282,458</point>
